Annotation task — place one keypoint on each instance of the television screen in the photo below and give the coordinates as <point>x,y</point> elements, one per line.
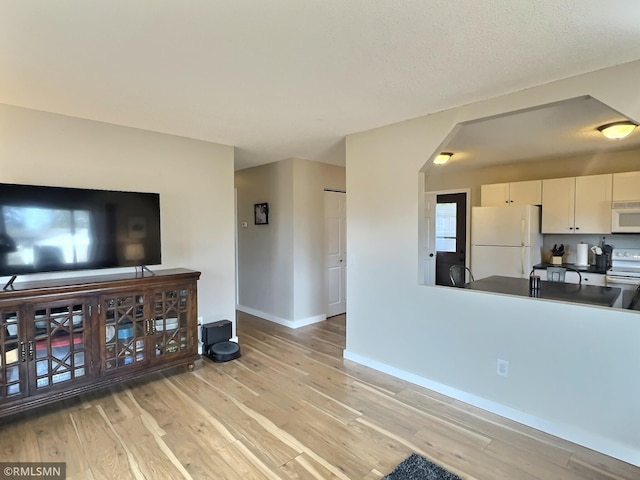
<point>48,229</point>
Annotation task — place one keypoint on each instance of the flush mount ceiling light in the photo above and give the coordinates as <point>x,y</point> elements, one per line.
<point>617,130</point>
<point>442,158</point>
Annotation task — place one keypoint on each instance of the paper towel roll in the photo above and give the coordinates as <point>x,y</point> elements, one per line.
<point>582,254</point>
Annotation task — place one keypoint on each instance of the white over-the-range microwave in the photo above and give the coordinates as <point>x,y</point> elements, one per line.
<point>625,217</point>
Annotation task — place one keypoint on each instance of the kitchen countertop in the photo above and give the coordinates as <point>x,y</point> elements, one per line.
<point>566,292</point>
<point>571,266</point>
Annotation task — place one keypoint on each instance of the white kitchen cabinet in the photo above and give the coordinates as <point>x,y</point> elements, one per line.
<point>542,273</point>
<point>626,186</point>
<point>596,279</point>
<point>494,195</point>
<point>593,204</point>
<point>558,205</point>
<point>514,193</point>
<point>579,205</point>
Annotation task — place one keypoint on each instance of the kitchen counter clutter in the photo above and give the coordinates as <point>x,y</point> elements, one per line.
<point>566,292</point>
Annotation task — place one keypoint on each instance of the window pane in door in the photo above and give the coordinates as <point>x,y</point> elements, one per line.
<point>446,227</point>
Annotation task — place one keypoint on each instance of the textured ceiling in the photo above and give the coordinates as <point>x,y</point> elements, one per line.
<point>291,78</point>
<point>559,129</point>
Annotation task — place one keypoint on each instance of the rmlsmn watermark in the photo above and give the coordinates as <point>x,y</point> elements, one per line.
<point>33,470</point>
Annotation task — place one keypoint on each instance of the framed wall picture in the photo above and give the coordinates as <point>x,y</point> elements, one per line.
<point>261,213</point>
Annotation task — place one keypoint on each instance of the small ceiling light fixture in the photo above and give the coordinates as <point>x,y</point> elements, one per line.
<point>442,158</point>
<point>617,130</point>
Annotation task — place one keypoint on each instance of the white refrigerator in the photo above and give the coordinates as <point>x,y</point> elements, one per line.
<point>505,240</point>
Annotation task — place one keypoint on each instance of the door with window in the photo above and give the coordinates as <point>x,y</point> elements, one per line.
<point>450,233</point>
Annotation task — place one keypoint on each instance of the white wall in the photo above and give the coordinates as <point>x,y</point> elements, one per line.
<point>574,370</point>
<point>194,180</point>
<point>281,265</point>
<point>265,252</point>
<point>309,181</point>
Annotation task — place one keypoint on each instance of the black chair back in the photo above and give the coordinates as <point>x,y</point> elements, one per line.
<point>458,275</point>
<point>635,301</point>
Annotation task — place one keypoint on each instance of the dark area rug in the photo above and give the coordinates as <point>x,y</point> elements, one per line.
<point>416,467</point>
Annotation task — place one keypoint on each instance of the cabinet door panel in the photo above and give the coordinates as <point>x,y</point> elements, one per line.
<point>572,277</point>
<point>594,279</point>
<point>558,202</point>
<point>593,204</point>
<point>12,351</point>
<point>494,195</point>
<point>626,186</point>
<point>171,329</point>
<point>526,193</point>
<point>59,344</point>
<point>542,273</point>
<point>123,327</point>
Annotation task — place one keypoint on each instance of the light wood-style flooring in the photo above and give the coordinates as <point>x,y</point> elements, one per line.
<point>289,408</point>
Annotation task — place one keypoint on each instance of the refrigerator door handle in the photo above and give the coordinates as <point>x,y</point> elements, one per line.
<point>522,260</point>
<point>522,231</point>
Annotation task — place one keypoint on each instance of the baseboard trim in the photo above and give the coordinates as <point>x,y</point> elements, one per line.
<point>595,442</point>
<point>281,321</point>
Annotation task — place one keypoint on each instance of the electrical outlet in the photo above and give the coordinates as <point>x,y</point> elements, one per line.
<point>503,368</point>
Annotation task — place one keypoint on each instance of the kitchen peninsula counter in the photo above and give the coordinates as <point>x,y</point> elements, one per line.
<point>566,292</point>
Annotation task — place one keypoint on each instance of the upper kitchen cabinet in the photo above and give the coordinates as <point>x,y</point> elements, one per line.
<point>626,186</point>
<point>515,193</point>
<point>577,204</point>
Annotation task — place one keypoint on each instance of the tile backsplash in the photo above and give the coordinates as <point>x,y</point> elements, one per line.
<point>571,241</point>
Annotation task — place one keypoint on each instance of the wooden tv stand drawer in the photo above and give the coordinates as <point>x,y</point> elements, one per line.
<point>63,337</point>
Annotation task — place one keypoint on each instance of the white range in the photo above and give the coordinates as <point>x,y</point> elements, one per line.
<point>624,272</point>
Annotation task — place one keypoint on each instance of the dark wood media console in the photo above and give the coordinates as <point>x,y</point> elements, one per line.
<point>60,338</point>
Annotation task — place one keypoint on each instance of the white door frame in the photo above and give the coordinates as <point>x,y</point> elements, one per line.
<point>235,222</point>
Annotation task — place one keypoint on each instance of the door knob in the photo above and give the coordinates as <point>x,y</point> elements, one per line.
<point>431,254</point>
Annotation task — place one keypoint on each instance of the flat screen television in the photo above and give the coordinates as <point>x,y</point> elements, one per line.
<point>53,229</point>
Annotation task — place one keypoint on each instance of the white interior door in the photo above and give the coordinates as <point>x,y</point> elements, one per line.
<point>335,222</point>
<point>428,240</point>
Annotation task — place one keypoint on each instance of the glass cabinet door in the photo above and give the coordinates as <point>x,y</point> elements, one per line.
<point>57,349</point>
<point>170,330</point>
<point>12,356</point>
<point>124,331</point>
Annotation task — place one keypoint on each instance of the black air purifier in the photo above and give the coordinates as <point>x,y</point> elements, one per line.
<point>216,342</point>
